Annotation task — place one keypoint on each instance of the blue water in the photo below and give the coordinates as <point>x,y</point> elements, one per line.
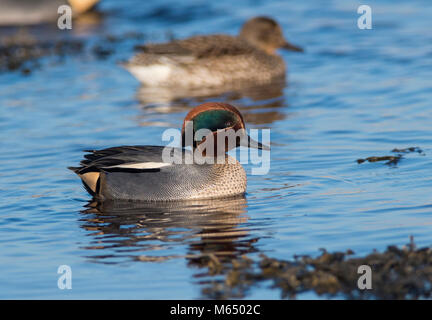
<point>353,94</point>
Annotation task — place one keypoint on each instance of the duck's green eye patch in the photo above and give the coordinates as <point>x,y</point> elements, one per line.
<point>214,120</point>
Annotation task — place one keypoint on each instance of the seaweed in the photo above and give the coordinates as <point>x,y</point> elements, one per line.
<point>397,273</point>
<point>23,52</point>
<point>392,160</point>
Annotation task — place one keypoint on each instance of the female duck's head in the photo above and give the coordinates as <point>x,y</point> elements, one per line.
<point>266,34</point>
<point>216,128</point>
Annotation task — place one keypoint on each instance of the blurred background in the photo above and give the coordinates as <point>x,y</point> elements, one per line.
<point>353,94</point>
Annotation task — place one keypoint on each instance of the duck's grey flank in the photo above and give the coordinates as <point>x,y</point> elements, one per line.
<point>165,183</point>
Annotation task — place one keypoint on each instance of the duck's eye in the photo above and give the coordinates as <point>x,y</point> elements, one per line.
<point>228,124</point>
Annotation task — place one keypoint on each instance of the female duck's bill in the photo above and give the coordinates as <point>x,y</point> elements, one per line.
<point>141,172</point>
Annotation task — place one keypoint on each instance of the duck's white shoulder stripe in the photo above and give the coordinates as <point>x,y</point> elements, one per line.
<point>142,165</point>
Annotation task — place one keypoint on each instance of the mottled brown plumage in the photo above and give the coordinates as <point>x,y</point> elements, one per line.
<point>214,60</point>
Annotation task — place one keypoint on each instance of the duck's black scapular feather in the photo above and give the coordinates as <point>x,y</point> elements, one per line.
<point>102,160</point>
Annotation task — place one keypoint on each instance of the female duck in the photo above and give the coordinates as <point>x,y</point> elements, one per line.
<point>142,172</point>
<point>215,60</point>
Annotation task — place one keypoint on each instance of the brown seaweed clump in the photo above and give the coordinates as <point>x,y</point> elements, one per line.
<point>389,159</point>
<point>393,160</point>
<point>23,52</point>
<point>404,273</point>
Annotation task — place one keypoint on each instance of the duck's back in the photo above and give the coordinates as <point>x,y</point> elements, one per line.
<point>204,61</point>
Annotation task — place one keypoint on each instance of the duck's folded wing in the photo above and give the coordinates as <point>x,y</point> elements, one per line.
<point>168,48</point>
<point>168,53</point>
<point>127,159</point>
<point>187,50</point>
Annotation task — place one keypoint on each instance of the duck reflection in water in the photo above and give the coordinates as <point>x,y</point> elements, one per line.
<point>143,231</point>
<point>259,104</point>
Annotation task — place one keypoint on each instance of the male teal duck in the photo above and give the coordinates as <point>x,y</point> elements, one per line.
<point>25,12</point>
<point>142,172</point>
<point>215,60</point>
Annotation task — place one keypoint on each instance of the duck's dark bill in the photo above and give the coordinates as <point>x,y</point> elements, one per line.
<point>251,143</point>
<point>292,47</point>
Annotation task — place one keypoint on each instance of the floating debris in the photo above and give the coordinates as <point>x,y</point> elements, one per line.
<point>392,160</point>
<point>23,52</point>
<point>102,52</point>
<point>404,273</point>
<point>25,56</point>
<point>408,150</point>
